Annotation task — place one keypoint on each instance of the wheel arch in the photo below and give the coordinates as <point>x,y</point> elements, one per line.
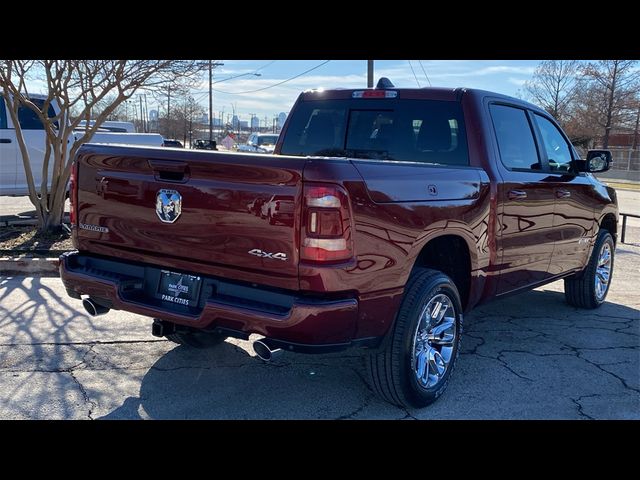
<point>452,251</point>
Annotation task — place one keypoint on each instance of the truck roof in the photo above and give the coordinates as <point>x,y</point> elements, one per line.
<point>425,93</point>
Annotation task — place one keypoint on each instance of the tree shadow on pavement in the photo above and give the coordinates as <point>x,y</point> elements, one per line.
<point>38,335</point>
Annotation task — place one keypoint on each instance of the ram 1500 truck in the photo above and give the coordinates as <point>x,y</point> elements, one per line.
<point>409,208</point>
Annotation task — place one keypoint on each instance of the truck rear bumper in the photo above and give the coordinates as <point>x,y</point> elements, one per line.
<point>277,314</point>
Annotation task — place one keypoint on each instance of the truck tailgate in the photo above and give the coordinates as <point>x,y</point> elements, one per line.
<point>191,210</point>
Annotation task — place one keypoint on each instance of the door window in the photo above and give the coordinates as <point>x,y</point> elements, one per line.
<point>557,148</point>
<point>515,138</point>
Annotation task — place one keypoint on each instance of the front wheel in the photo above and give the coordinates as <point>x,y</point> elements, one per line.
<point>589,288</point>
<point>414,365</point>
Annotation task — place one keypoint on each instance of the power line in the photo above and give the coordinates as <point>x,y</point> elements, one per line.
<point>425,72</point>
<point>276,84</point>
<point>265,66</point>
<point>414,74</point>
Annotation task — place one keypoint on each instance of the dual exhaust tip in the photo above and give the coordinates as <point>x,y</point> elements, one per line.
<point>264,351</point>
<point>94,309</point>
<point>262,348</point>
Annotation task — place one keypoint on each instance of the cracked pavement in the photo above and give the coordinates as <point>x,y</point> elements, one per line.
<point>530,356</point>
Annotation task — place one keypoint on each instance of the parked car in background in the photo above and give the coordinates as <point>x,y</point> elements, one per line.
<point>204,145</point>
<point>170,142</point>
<point>13,180</point>
<point>259,143</point>
<point>111,126</point>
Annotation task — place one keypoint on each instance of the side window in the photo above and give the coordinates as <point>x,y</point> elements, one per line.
<point>29,120</point>
<point>3,114</point>
<point>557,148</point>
<point>515,139</point>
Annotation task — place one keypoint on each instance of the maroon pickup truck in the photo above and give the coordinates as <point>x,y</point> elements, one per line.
<point>383,215</point>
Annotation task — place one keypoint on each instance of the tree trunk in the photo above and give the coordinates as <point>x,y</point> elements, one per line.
<point>637,132</point>
<point>607,128</point>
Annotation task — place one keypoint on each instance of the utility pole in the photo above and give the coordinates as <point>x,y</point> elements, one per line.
<point>211,65</point>
<point>146,113</point>
<point>168,107</point>
<point>141,113</point>
<point>636,139</point>
<point>369,73</point>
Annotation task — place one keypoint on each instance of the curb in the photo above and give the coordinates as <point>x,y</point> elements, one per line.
<point>41,267</point>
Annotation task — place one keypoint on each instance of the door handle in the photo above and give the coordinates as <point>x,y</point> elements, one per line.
<point>517,195</point>
<point>169,171</point>
<point>563,193</point>
<point>5,140</point>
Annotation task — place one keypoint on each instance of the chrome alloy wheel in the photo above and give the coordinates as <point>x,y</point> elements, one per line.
<point>603,271</point>
<point>433,341</point>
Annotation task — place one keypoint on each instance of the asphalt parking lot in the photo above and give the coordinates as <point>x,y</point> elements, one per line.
<point>530,356</point>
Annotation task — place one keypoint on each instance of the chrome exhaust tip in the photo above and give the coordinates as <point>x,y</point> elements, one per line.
<point>264,351</point>
<point>93,308</point>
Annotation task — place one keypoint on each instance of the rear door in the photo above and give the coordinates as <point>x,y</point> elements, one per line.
<point>8,153</point>
<point>526,202</point>
<point>573,219</point>
<point>35,140</point>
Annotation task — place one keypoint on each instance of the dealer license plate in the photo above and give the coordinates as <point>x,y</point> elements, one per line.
<point>179,288</point>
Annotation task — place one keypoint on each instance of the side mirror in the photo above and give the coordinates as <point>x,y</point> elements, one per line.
<point>597,161</point>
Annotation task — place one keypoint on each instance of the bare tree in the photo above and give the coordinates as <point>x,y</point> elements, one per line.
<point>187,114</point>
<point>613,86</point>
<point>81,87</point>
<point>554,86</point>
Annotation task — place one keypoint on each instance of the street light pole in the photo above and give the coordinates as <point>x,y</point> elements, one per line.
<point>211,65</point>
<point>369,73</point>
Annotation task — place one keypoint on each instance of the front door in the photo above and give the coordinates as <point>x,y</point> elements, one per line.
<point>574,215</point>
<point>525,238</point>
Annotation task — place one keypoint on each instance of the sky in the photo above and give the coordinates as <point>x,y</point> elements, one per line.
<point>235,84</point>
<point>500,76</point>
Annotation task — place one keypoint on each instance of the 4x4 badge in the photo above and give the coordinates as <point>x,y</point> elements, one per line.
<point>261,253</point>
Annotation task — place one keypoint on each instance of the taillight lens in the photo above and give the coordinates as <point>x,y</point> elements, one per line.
<point>326,225</point>
<point>73,193</point>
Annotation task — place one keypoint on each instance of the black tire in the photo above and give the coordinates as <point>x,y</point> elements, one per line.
<point>580,289</point>
<point>196,339</point>
<point>391,366</point>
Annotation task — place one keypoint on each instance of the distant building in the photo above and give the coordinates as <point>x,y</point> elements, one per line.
<point>255,123</point>
<point>282,117</point>
<point>234,122</point>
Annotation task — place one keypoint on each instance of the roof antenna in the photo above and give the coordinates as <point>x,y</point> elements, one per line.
<point>384,82</point>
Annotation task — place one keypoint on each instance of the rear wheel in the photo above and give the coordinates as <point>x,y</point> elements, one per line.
<point>196,339</point>
<point>414,366</point>
<point>589,288</point>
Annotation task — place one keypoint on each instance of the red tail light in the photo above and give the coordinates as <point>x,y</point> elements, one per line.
<point>326,225</point>
<point>73,193</point>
